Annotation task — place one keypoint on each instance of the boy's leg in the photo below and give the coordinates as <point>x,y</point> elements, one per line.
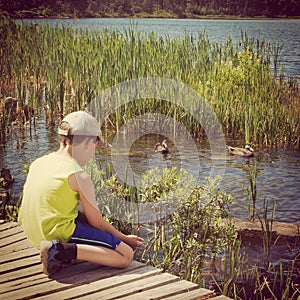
<point>55,255</point>
<point>121,257</point>
<point>89,244</point>
<point>100,247</point>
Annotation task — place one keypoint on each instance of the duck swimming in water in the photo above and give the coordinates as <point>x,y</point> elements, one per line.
<point>248,151</point>
<point>161,147</point>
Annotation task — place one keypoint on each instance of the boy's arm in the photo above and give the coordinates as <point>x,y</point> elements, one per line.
<point>82,183</point>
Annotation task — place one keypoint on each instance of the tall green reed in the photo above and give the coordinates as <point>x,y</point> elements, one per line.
<point>252,173</point>
<point>266,226</point>
<point>63,68</point>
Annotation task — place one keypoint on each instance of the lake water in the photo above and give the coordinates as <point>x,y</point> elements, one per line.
<point>277,178</point>
<point>278,171</point>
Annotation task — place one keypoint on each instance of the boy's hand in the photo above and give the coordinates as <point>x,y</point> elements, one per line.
<point>134,241</point>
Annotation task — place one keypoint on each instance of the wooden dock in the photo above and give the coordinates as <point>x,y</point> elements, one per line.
<point>21,277</point>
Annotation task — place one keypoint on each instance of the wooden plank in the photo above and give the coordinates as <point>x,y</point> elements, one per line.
<point>12,256</point>
<point>16,265</point>
<point>20,274</point>
<point>10,231</point>
<point>197,294</point>
<point>32,270</point>
<point>8,240</point>
<point>63,281</point>
<point>93,287</point>
<point>139,285</point>
<point>21,277</point>
<point>15,246</point>
<point>92,272</point>
<point>18,285</point>
<point>161,291</point>
<point>8,225</point>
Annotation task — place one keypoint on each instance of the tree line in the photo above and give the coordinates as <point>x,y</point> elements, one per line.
<point>150,8</point>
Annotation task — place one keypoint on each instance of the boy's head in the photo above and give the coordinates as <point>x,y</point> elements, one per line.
<point>77,126</point>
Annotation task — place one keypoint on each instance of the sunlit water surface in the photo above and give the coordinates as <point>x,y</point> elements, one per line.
<point>278,171</point>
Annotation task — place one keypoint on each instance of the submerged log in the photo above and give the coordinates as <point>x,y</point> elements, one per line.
<point>253,232</point>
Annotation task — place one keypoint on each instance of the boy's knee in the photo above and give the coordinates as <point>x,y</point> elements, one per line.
<point>128,258</point>
<point>126,253</point>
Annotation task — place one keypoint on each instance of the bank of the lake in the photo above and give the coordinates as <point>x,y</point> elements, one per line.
<point>31,16</point>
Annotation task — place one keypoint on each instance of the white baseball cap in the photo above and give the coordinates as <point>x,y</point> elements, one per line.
<point>82,123</point>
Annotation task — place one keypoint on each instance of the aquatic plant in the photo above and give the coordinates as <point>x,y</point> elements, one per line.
<point>9,206</point>
<point>252,190</point>
<point>62,68</point>
<point>252,282</point>
<point>187,228</point>
<point>191,234</point>
<point>266,226</point>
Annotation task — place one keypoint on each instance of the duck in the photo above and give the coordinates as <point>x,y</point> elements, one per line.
<point>248,151</point>
<point>161,147</point>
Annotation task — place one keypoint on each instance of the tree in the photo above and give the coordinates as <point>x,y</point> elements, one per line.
<point>84,8</point>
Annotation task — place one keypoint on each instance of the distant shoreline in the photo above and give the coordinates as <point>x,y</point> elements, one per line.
<point>148,16</point>
<point>202,18</point>
<point>209,17</point>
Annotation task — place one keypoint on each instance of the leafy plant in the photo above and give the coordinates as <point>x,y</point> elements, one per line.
<point>192,233</point>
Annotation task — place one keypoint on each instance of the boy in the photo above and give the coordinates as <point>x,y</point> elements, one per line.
<point>56,184</point>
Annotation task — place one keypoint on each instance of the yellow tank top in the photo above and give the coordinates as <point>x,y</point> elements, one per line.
<point>49,207</point>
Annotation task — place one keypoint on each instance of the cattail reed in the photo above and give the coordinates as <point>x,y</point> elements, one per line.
<point>62,68</point>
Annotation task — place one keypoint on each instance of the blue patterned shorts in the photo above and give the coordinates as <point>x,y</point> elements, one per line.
<point>86,234</point>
